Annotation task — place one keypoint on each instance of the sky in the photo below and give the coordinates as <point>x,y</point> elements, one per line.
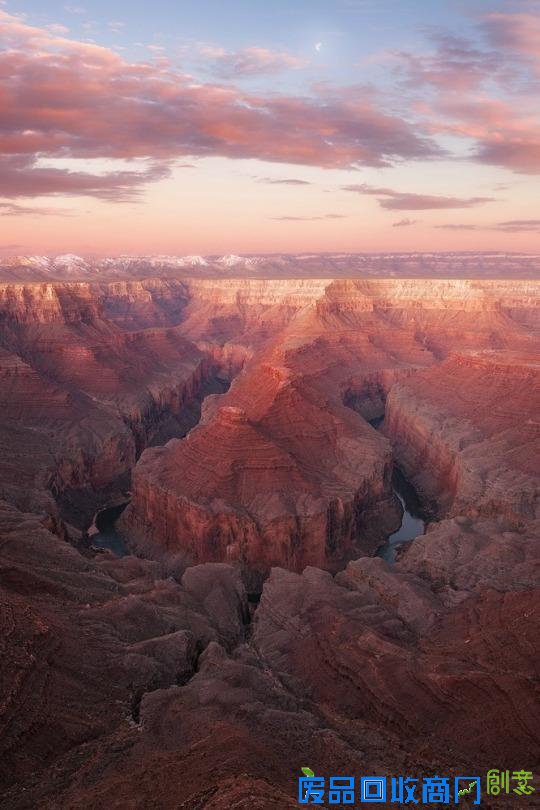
<point>233,126</point>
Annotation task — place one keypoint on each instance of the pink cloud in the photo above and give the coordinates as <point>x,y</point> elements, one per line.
<point>517,33</point>
<point>519,154</point>
<point>454,64</point>
<point>486,92</point>
<point>505,133</point>
<point>363,188</point>
<point>424,202</point>
<point>286,181</point>
<point>63,98</point>
<point>403,223</point>
<point>405,201</point>
<point>510,226</point>
<point>13,210</point>
<point>21,177</point>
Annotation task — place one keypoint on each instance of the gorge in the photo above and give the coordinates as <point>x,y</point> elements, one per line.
<point>243,436</point>
<point>412,523</point>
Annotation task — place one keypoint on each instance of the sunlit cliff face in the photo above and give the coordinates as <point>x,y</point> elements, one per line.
<point>157,134</point>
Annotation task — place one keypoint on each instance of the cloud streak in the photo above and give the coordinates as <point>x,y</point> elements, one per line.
<point>403,223</point>
<point>20,176</point>
<point>508,226</point>
<point>13,210</point>
<point>403,201</point>
<point>287,181</point>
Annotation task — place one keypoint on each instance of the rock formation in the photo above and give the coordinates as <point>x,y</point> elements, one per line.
<point>87,395</point>
<point>300,479</point>
<point>294,483</point>
<point>466,432</point>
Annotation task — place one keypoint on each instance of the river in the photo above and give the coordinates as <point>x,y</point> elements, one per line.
<point>412,524</point>
<point>106,535</point>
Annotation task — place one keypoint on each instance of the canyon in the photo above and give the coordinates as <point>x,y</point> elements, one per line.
<point>247,430</point>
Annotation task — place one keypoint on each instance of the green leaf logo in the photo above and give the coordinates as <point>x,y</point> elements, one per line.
<point>307,771</point>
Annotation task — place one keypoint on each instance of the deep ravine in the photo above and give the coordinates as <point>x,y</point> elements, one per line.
<point>413,523</point>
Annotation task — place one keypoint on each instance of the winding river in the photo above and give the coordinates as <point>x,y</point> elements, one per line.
<point>412,524</point>
<point>106,535</point>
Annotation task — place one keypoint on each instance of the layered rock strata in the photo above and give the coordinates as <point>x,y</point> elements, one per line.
<point>466,433</point>
<point>280,473</point>
<point>282,480</point>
